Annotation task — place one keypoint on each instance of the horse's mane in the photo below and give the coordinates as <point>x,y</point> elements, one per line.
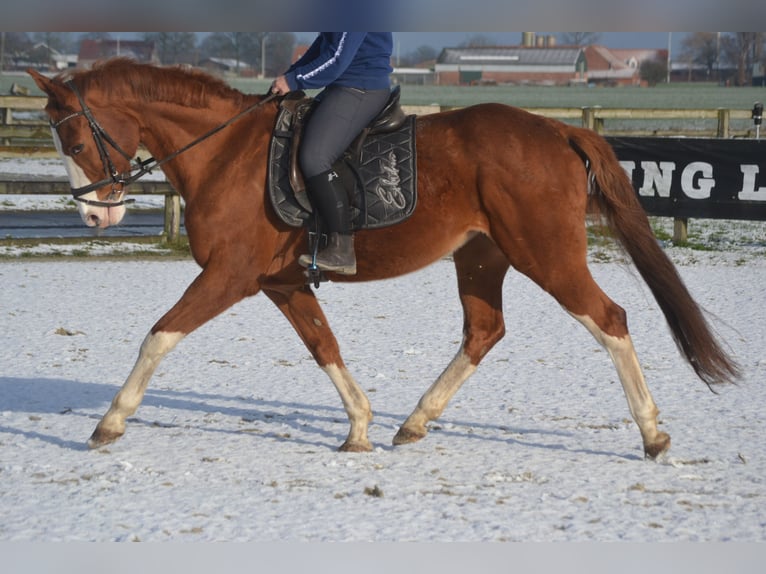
<point>151,83</point>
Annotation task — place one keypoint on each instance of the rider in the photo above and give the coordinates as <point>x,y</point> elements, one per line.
<point>353,68</point>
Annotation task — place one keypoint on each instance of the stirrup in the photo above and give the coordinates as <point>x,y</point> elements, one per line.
<point>315,276</point>
<point>313,273</point>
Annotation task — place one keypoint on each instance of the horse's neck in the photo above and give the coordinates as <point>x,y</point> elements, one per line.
<point>166,130</point>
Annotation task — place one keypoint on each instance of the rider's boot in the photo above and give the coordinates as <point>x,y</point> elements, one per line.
<point>328,196</point>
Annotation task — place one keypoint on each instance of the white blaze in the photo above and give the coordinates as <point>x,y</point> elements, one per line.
<point>92,215</point>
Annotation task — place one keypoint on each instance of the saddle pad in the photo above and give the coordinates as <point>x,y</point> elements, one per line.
<point>383,168</point>
<point>386,174</point>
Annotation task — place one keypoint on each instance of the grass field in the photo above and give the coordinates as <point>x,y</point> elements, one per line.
<point>684,96</point>
<point>708,96</point>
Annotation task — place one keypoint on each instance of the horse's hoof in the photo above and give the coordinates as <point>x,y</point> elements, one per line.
<point>101,438</point>
<point>658,447</point>
<point>407,436</point>
<point>355,446</point>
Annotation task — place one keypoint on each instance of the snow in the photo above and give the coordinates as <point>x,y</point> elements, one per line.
<point>236,438</point>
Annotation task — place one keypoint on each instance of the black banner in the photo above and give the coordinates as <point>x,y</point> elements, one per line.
<point>696,177</point>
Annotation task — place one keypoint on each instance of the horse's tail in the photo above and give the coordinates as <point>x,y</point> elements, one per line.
<point>611,194</point>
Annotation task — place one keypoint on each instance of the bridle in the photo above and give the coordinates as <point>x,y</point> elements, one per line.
<point>140,167</point>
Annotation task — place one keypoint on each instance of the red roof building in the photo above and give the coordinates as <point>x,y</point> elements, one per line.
<point>618,67</point>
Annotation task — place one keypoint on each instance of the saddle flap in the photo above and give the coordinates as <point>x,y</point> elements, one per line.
<point>294,109</point>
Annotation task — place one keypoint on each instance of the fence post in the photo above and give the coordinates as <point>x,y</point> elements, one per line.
<point>724,120</point>
<point>172,217</point>
<point>6,119</point>
<point>680,230</point>
<point>590,121</point>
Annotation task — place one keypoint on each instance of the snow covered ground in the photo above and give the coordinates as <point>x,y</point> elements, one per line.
<point>236,439</point>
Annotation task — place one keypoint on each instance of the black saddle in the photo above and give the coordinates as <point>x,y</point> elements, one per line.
<point>378,169</point>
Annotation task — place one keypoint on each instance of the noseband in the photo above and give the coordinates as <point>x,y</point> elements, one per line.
<point>140,167</point>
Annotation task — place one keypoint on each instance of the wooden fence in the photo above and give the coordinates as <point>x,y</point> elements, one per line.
<point>593,117</point>
<point>30,137</point>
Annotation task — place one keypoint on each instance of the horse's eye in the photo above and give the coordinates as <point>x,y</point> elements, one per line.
<point>75,149</point>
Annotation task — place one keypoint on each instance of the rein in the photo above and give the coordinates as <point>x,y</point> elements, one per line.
<point>141,167</point>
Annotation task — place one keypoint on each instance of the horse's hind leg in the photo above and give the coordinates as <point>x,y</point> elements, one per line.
<point>623,355</point>
<point>575,289</point>
<point>481,268</point>
<point>304,313</point>
<point>546,241</point>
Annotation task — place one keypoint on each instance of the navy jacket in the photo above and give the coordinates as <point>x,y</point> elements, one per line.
<point>352,59</point>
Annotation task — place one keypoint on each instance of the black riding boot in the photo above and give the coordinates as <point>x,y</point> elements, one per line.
<point>329,198</point>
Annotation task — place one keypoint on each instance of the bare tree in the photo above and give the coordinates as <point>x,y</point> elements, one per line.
<point>579,38</point>
<point>251,47</point>
<point>216,45</point>
<point>279,52</point>
<point>743,50</point>
<point>701,48</point>
<point>243,47</point>
<point>418,56</point>
<point>16,47</point>
<point>174,47</point>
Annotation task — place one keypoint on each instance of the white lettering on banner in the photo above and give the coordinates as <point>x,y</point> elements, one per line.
<point>628,166</point>
<point>748,191</point>
<point>657,178</point>
<point>697,179</point>
<point>704,184</point>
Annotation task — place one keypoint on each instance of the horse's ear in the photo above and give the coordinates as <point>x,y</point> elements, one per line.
<point>44,83</point>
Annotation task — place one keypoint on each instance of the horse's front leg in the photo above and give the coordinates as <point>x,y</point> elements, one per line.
<point>207,296</point>
<point>112,425</point>
<point>305,315</point>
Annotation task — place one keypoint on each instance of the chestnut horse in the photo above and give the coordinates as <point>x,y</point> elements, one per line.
<point>497,187</point>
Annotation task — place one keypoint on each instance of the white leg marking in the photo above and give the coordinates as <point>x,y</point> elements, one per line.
<point>623,354</point>
<point>354,401</point>
<point>435,399</point>
<point>127,400</point>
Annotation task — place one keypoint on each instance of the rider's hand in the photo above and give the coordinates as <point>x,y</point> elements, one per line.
<point>279,86</point>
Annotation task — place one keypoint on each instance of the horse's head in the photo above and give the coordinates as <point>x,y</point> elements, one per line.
<point>96,142</point>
